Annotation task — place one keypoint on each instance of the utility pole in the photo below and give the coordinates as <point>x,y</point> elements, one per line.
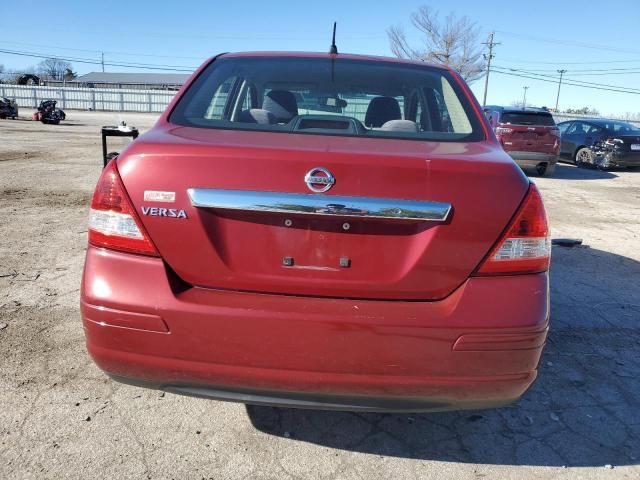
<point>102,61</point>
<point>561,72</point>
<point>490,43</point>
<point>524,99</point>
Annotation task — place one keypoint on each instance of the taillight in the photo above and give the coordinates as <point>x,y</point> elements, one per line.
<point>555,132</point>
<point>113,222</point>
<point>525,247</point>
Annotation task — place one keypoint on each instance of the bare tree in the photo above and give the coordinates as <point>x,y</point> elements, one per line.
<point>54,68</point>
<point>454,41</point>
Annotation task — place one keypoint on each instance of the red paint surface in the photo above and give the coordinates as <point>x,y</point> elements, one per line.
<point>318,344</point>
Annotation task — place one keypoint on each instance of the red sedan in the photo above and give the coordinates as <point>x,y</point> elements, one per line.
<point>322,231</point>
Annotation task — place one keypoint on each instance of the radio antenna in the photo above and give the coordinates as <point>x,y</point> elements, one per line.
<point>333,50</point>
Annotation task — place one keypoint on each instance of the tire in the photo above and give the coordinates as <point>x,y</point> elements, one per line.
<point>541,169</point>
<point>583,157</point>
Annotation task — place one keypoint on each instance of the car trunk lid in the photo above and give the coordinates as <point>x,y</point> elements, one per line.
<point>628,143</point>
<point>227,182</point>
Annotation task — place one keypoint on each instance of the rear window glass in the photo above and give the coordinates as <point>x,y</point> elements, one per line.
<point>528,118</point>
<point>325,97</point>
<point>621,128</point>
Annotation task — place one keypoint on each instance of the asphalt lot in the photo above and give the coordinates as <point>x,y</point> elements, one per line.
<point>60,417</point>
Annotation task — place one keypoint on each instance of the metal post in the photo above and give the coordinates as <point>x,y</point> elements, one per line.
<point>561,72</point>
<point>524,99</point>
<point>121,102</point>
<point>490,43</point>
<point>63,98</point>
<point>149,101</point>
<point>102,61</point>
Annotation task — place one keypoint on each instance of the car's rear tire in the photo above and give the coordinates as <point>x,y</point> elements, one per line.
<point>583,157</point>
<point>541,169</point>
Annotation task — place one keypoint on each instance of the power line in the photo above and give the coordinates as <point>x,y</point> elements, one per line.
<point>635,72</point>
<point>556,63</point>
<point>147,66</point>
<point>512,74</point>
<point>579,70</point>
<point>109,52</point>
<point>528,72</point>
<point>568,43</point>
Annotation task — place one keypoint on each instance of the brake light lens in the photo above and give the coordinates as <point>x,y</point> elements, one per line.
<point>525,247</point>
<point>555,132</point>
<point>113,222</point>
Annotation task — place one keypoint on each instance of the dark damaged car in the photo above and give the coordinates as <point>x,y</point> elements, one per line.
<point>600,143</point>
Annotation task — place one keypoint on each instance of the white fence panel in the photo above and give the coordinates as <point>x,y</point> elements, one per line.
<point>74,98</point>
<point>126,100</point>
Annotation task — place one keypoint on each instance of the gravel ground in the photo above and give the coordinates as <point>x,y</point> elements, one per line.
<point>60,417</point>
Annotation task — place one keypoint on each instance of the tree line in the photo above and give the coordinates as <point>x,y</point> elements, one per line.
<point>47,69</point>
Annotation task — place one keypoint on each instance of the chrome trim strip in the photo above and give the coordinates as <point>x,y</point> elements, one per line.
<point>310,204</point>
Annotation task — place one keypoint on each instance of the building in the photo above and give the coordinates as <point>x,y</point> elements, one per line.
<point>142,81</point>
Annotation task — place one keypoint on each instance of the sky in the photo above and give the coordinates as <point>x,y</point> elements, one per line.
<point>595,42</point>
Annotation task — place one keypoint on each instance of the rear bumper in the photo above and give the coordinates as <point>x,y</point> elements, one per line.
<point>533,159</point>
<point>477,348</point>
<point>618,159</point>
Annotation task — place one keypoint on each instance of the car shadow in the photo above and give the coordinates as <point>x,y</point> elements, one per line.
<point>582,410</point>
<point>566,171</point>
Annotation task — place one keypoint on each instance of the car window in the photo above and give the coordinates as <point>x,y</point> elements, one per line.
<point>563,127</point>
<point>577,128</point>
<point>622,128</point>
<point>363,98</point>
<point>528,118</point>
<point>594,129</point>
<point>219,98</point>
<point>493,117</point>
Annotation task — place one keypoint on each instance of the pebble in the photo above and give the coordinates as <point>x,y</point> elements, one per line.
<point>287,435</point>
<point>554,417</point>
<point>3,326</point>
<point>608,466</point>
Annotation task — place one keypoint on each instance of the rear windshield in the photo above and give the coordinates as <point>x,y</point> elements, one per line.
<point>528,118</point>
<point>620,127</point>
<point>325,97</point>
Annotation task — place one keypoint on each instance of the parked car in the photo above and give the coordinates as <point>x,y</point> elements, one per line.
<point>528,135</point>
<point>600,142</point>
<point>8,108</point>
<point>381,254</point>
